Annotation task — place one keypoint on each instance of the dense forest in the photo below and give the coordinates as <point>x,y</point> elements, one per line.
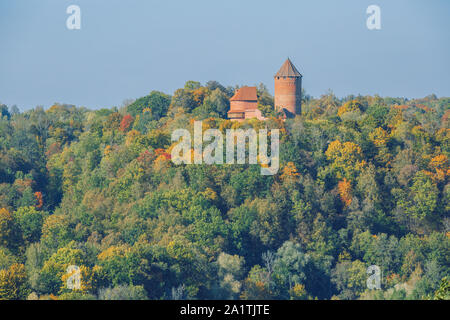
<point>363,180</point>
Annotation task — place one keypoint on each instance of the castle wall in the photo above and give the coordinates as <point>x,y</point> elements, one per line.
<point>288,92</point>
<point>243,109</point>
<point>254,113</point>
<point>242,105</point>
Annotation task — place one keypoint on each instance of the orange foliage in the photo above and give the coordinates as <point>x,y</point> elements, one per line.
<point>289,171</point>
<point>200,94</point>
<point>126,122</point>
<point>108,150</point>
<point>441,167</point>
<point>424,108</point>
<point>345,191</point>
<point>402,107</point>
<point>39,199</point>
<point>439,162</point>
<point>161,152</point>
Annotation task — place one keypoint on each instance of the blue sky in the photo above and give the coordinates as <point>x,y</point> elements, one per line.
<point>125,49</point>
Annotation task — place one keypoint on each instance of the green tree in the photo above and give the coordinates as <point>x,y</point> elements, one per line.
<point>30,223</point>
<point>9,235</point>
<point>443,292</point>
<point>289,268</point>
<point>123,292</point>
<point>350,279</point>
<point>231,270</point>
<point>423,197</point>
<point>157,103</point>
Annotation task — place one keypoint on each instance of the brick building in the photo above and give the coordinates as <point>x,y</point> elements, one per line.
<point>288,89</point>
<point>244,105</point>
<point>288,95</point>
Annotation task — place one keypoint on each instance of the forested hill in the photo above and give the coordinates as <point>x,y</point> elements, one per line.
<point>363,181</point>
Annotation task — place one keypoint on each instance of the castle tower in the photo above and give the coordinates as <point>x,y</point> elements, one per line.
<point>288,89</point>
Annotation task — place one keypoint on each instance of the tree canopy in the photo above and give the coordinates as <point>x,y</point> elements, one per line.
<point>363,180</point>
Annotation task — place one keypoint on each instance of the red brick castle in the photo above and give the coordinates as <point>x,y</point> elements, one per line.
<point>288,96</point>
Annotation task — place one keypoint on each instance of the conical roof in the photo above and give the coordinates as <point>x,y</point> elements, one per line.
<point>288,70</point>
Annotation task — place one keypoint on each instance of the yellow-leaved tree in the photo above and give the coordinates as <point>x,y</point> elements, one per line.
<point>14,283</point>
<point>347,159</point>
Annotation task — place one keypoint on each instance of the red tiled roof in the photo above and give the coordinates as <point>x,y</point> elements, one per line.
<point>245,94</point>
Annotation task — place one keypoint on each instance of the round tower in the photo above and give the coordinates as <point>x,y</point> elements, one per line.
<point>288,89</point>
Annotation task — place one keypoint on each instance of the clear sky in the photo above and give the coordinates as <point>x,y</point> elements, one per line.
<point>125,49</point>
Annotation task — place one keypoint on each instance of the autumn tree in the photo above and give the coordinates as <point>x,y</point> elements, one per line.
<point>13,283</point>
<point>8,229</point>
<point>347,159</point>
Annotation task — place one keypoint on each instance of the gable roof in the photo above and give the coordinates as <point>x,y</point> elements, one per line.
<point>288,70</point>
<point>245,94</point>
